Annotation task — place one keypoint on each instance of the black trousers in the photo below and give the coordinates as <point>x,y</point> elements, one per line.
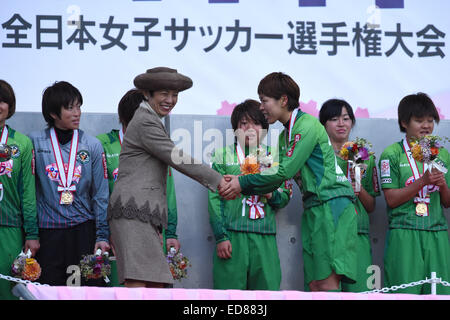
<point>61,248</point>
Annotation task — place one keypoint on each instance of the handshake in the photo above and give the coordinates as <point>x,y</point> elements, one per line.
<point>229,187</point>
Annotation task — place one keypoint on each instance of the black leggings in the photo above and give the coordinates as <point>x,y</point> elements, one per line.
<point>61,248</point>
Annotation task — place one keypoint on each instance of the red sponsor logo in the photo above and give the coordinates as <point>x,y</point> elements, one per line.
<point>105,168</point>
<point>376,186</point>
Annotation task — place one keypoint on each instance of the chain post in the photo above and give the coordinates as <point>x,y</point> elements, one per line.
<point>434,280</point>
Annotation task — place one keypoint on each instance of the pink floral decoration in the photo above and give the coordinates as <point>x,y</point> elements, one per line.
<point>226,108</point>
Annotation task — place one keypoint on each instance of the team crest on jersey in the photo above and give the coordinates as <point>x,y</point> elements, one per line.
<point>363,173</point>
<point>289,184</point>
<point>431,187</point>
<point>15,151</point>
<point>115,173</point>
<point>83,156</point>
<point>385,168</point>
<point>53,173</point>
<point>409,181</point>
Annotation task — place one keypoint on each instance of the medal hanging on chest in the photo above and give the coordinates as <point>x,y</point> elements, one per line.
<point>421,209</point>
<point>66,188</point>
<point>422,201</point>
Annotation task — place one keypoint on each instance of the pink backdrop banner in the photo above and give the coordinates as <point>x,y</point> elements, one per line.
<point>122,293</point>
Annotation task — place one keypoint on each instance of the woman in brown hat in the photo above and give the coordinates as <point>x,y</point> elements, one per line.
<point>137,209</point>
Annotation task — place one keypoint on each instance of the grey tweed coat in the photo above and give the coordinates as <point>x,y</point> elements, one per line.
<point>147,150</point>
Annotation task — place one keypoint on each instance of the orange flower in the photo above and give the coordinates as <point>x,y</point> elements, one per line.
<point>348,144</point>
<point>434,151</point>
<point>250,166</point>
<point>32,270</point>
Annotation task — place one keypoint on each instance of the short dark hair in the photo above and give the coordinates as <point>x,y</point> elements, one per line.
<point>150,93</point>
<point>7,96</point>
<point>129,104</point>
<point>276,84</point>
<point>333,108</point>
<point>59,95</point>
<point>416,105</point>
<point>248,109</point>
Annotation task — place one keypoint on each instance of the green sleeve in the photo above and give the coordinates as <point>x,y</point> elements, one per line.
<point>172,215</point>
<point>303,141</point>
<point>446,158</point>
<point>389,169</point>
<point>27,189</point>
<point>215,202</point>
<point>281,196</point>
<point>370,181</point>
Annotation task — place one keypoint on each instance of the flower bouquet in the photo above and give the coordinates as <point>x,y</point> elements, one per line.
<point>256,162</point>
<point>25,267</point>
<point>426,150</point>
<point>356,152</point>
<point>95,266</point>
<point>177,264</point>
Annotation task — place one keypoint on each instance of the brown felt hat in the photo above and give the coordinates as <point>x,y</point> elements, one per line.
<point>162,78</point>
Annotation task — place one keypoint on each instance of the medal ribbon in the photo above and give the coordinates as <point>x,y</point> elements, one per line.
<point>65,177</point>
<point>255,211</point>
<point>3,140</point>
<point>291,124</point>
<point>422,198</point>
<point>121,136</point>
<point>289,135</point>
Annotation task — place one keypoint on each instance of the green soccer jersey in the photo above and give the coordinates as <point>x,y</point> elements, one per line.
<point>369,181</point>
<point>309,158</point>
<point>396,173</point>
<point>228,214</point>
<point>112,147</point>
<point>18,189</point>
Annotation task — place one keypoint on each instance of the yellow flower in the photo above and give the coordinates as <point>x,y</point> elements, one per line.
<point>344,153</point>
<point>417,152</point>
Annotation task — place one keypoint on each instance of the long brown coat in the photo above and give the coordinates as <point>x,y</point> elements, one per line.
<point>140,189</point>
